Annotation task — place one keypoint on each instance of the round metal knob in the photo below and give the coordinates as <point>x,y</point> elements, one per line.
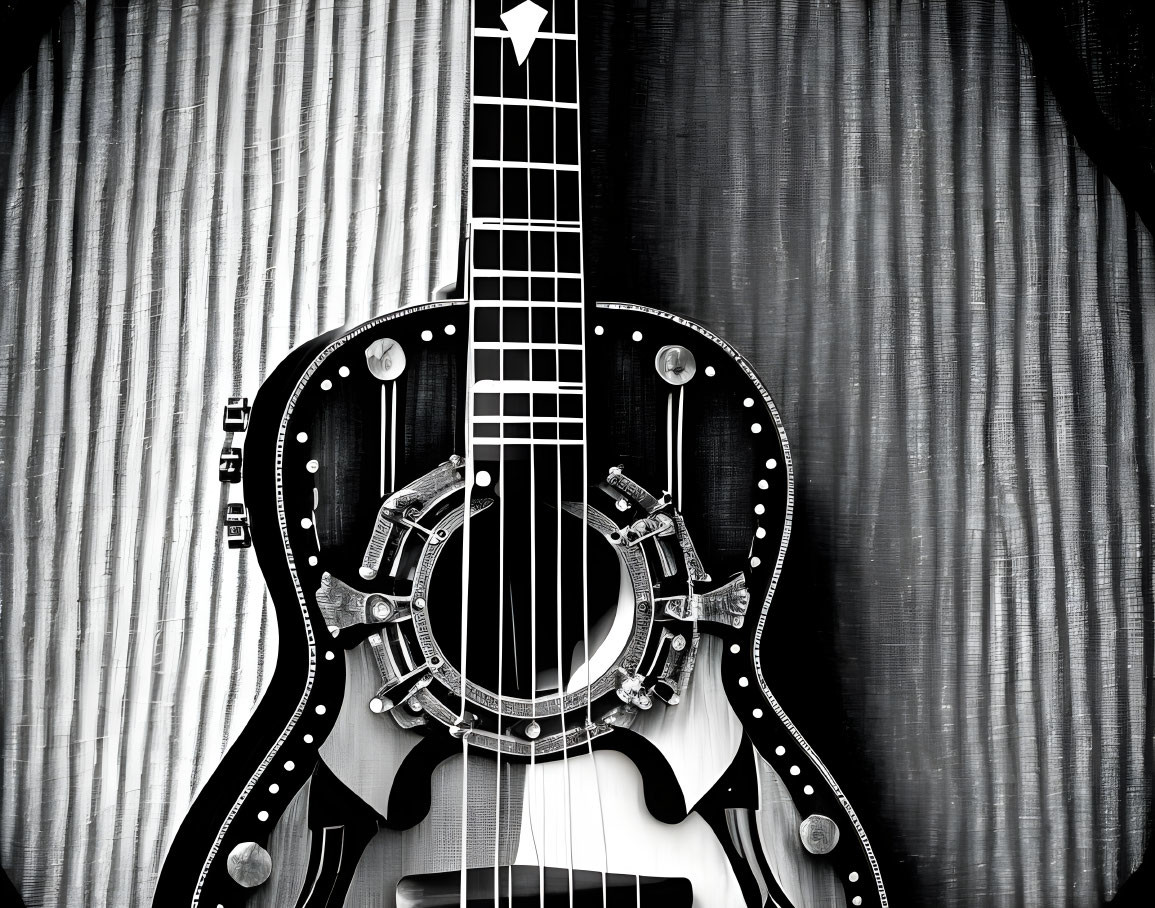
<point>379,608</point>
<point>249,864</point>
<point>385,358</point>
<point>675,364</point>
<point>819,834</point>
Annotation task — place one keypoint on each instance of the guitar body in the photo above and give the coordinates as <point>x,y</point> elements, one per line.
<point>523,551</point>
<point>733,468</point>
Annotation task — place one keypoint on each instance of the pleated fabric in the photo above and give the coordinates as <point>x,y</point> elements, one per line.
<point>878,202</point>
<point>189,191</point>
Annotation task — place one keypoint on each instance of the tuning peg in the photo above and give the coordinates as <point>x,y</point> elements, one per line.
<point>237,526</point>
<point>230,465</point>
<point>237,414</point>
<point>237,536</point>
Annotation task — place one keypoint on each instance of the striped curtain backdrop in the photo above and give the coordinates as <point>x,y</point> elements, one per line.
<point>878,202</point>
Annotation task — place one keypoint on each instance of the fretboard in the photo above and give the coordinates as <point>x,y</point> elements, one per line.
<point>527,340</point>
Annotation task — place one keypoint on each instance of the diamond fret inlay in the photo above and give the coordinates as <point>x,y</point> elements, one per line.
<point>522,22</point>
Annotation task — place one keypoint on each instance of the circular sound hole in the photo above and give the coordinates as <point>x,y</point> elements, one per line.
<point>513,616</point>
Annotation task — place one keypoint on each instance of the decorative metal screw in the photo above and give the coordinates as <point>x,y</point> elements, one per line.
<point>675,364</point>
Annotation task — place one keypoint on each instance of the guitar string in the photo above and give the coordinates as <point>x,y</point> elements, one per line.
<point>560,684</point>
<point>500,478</point>
<point>467,510</point>
<point>558,448</point>
<point>531,317</point>
<point>587,655</point>
<point>601,815</point>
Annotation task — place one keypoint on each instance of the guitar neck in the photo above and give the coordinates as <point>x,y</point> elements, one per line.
<point>525,230</point>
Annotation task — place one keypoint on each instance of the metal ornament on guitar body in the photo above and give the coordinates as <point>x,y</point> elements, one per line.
<point>653,642</point>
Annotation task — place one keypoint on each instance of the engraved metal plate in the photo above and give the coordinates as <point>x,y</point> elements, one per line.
<point>727,604</point>
<point>819,834</point>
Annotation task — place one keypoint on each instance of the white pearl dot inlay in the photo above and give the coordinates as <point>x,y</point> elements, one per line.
<point>795,771</point>
<point>853,876</point>
<point>312,561</point>
<point>290,765</point>
<point>320,709</point>
<point>763,484</point>
<point>263,815</point>
<point>599,330</point>
<point>330,656</point>
<point>808,789</point>
<point>302,437</point>
<point>756,428</point>
<point>857,900</point>
<point>743,682</point>
<point>326,385</point>
<point>306,523</point>
<point>771,464</point>
<point>748,402</point>
<point>735,648</point>
<point>755,561</point>
<point>450,330</point>
<point>483,479</point>
<point>637,335</point>
<point>780,750</point>
<point>308,739</point>
<point>759,509</point>
<point>757,713</point>
<point>760,532</point>
<point>274,788</point>
<point>427,335</point>
<point>343,371</point>
<point>313,466</point>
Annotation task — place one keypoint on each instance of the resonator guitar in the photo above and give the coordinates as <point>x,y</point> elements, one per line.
<point>522,549</point>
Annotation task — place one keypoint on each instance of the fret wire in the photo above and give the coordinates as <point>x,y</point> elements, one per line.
<point>507,440</point>
<point>528,165</point>
<point>522,223</point>
<point>525,386</point>
<point>535,420</point>
<point>513,272</point>
<point>496,101</point>
<point>524,345</point>
<point>532,226</point>
<point>490,32</point>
